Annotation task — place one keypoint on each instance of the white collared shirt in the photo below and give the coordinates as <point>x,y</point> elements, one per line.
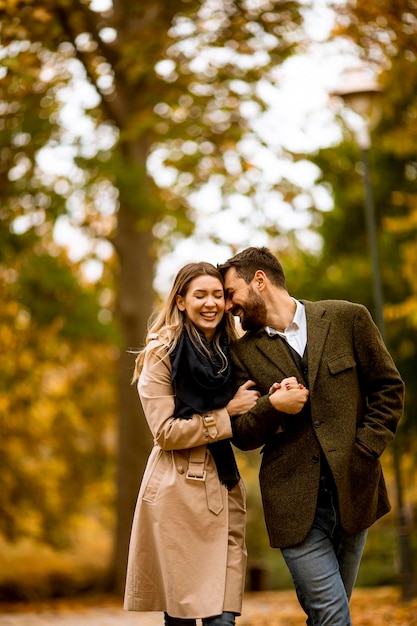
<point>296,332</point>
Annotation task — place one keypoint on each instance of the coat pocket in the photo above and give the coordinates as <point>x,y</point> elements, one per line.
<point>365,470</point>
<point>341,363</point>
<point>156,474</point>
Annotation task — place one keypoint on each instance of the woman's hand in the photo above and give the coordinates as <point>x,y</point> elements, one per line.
<point>244,399</point>
<point>289,396</point>
<point>288,383</point>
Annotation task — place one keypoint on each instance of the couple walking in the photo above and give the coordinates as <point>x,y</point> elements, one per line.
<point>312,384</point>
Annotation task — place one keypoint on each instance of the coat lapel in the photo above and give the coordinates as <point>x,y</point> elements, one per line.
<point>278,355</point>
<point>317,331</point>
<point>275,351</point>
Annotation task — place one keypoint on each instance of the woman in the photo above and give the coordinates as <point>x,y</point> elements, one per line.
<point>187,552</point>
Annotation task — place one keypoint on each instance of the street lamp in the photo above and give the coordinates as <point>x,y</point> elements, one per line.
<point>361,94</point>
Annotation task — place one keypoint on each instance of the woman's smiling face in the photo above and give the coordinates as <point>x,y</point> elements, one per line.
<point>204,304</point>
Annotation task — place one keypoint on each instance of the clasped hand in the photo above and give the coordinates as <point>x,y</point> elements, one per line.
<point>288,396</point>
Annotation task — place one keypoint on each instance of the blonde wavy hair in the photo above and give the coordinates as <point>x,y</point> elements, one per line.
<point>167,323</point>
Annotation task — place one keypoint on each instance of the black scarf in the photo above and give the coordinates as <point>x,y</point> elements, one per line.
<point>200,387</point>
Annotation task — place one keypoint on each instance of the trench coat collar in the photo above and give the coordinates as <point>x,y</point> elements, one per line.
<point>317,331</point>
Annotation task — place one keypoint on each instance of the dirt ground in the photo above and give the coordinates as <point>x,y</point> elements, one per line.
<point>370,607</point>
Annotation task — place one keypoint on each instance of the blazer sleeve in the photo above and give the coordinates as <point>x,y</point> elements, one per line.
<point>381,384</point>
<point>257,426</point>
<point>157,398</point>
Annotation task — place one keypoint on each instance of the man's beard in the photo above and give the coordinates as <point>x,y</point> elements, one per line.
<point>254,314</point>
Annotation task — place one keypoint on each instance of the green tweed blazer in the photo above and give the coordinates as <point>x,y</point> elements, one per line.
<point>356,395</point>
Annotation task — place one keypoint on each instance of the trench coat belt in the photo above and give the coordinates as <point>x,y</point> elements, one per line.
<point>197,471</point>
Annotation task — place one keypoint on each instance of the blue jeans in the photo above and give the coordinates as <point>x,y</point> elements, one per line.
<point>225,619</point>
<point>325,565</point>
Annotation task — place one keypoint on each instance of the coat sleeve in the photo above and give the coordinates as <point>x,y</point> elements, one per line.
<point>156,395</point>
<point>382,386</point>
<point>257,426</point>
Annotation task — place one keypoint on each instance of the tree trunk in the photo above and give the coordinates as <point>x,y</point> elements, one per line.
<point>136,298</point>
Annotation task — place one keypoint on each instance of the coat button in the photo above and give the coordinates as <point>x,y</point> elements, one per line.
<point>180,469</point>
<point>315,458</point>
<point>317,423</point>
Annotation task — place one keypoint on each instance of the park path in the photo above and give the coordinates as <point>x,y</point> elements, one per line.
<point>257,609</point>
<point>370,607</point>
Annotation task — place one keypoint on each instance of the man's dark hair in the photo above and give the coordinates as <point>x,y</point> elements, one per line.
<point>247,262</point>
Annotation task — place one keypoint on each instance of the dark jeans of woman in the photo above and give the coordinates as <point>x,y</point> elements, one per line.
<point>225,619</point>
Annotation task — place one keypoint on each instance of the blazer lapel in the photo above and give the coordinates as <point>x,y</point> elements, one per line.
<point>317,331</point>
<point>274,350</point>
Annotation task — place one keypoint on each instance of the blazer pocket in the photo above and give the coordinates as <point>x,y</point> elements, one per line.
<point>364,465</point>
<point>363,450</point>
<point>341,363</point>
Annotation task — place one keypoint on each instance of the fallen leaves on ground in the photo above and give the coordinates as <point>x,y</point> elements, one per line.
<point>380,606</point>
<point>369,607</point>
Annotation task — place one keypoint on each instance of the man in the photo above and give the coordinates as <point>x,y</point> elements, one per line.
<point>320,476</point>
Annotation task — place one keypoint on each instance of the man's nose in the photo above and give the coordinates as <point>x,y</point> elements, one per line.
<point>228,305</point>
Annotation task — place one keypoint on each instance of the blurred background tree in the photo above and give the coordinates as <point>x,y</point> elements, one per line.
<point>145,75</point>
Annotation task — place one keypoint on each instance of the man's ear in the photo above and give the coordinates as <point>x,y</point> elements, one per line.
<point>260,279</point>
<point>180,302</point>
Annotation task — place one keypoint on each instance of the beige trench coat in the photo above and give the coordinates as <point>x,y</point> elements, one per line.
<point>187,552</point>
